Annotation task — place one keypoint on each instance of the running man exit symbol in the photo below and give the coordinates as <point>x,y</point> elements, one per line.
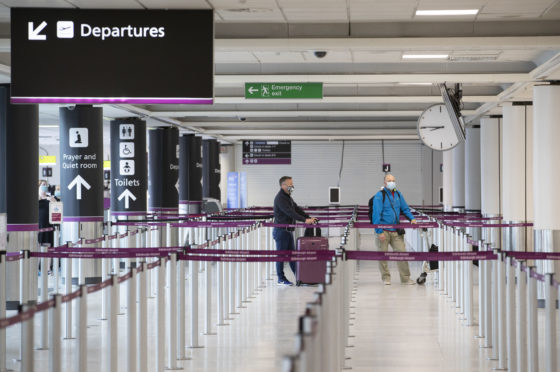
<point>126,131</point>
<point>78,137</point>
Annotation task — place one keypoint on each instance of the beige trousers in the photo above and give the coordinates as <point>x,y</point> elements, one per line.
<point>397,243</point>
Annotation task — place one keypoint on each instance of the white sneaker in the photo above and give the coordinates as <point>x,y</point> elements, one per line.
<point>387,281</point>
<point>409,282</point>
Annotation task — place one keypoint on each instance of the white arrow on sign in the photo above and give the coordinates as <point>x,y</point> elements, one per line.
<point>33,33</point>
<point>252,90</point>
<point>79,182</point>
<point>127,195</point>
<point>177,185</point>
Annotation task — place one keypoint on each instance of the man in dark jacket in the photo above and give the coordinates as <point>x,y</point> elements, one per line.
<point>286,212</point>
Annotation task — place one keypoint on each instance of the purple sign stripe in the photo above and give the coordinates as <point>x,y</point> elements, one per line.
<point>23,227</point>
<point>83,219</point>
<point>188,101</point>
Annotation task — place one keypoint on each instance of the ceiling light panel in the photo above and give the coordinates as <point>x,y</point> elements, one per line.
<point>421,56</point>
<point>446,12</point>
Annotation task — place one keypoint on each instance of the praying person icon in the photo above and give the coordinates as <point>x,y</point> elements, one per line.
<point>78,137</point>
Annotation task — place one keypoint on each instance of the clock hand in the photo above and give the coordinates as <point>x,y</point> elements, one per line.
<point>434,127</point>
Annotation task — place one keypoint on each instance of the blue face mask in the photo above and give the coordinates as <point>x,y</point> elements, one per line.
<point>391,185</point>
<point>44,188</point>
<point>57,193</point>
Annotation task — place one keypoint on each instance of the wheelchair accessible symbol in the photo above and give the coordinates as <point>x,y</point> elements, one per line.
<point>126,149</point>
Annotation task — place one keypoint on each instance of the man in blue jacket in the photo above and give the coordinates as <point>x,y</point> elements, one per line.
<point>286,212</point>
<point>388,204</point>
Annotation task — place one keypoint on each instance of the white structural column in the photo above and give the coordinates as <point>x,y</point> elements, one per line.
<point>447,180</point>
<point>517,155</point>
<point>472,169</point>
<point>490,166</point>
<point>546,169</point>
<point>458,171</point>
<point>546,133</point>
<point>490,180</point>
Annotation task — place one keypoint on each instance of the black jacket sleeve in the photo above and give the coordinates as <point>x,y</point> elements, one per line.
<point>290,209</point>
<point>300,211</point>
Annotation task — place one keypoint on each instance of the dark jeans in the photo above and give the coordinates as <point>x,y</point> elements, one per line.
<point>284,242</point>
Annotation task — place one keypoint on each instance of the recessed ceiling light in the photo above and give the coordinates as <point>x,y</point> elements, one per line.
<point>425,56</point>
<point>446,12</point>
<point>48,126</point>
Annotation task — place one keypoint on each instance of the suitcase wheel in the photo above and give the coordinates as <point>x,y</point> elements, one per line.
<point>298,283</point>
<point>422,278</point>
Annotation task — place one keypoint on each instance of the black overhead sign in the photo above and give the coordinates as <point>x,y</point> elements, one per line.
<point>267,152</point>
<point>91,56</point>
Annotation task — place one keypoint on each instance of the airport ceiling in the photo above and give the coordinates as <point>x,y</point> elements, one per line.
<point>370,90</point>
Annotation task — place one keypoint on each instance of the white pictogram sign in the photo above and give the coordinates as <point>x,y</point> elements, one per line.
<point>65,29</point>
<point>126,149</point>
<point>126,131</point>
<point>78,137</point>
<point>126,167</point>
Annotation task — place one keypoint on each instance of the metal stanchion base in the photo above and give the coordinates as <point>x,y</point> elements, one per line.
<point>491,358</point>
<point>37,348</point>
<point>194,347</point>
<point>222,324</point>
<point>210,334</point>
<point>174,369</point>
<point>499,369</point>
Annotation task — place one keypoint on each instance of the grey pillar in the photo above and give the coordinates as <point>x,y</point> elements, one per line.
<point>190,174</point>
<point>81,181</point>
<point>21,126</point>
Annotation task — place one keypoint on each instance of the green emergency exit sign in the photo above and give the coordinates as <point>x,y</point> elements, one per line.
<point>283,90</point>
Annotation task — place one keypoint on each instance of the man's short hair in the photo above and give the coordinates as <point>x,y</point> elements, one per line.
<point>284,179</point>
<point>386,175</point>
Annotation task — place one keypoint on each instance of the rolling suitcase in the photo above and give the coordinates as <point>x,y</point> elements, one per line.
<point>312,272</point>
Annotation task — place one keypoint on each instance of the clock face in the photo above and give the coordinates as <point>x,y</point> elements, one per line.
<point>436,130</point>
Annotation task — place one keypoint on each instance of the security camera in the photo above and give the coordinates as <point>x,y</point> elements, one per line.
<point>320,53</point>
<point>242,118</point>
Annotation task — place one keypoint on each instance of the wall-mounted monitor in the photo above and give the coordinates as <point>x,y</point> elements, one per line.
<point>112,56</point>
<point>334,195</point>
<point>451,99</point>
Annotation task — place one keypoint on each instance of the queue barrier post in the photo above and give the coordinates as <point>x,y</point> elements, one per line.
<point>510,316</point>
<point>521,316</point>
<point>131,324</point>
<point>55,334</point>
<point>532,323</point>
<point>142,352</point>
<point>27,360</point>
<point>81,354</point>
<point>502,349</point>
<point>181,305</point>
<point>220,286</point>
<point>481,293</point>
<point>160,333</point>
<point>105,269</point>
<point>193,273</point>
<point>44,340</point>
<point>112,327</point>
<point>172,351</point>
<point>550,350</point>
<point>68,285</point>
